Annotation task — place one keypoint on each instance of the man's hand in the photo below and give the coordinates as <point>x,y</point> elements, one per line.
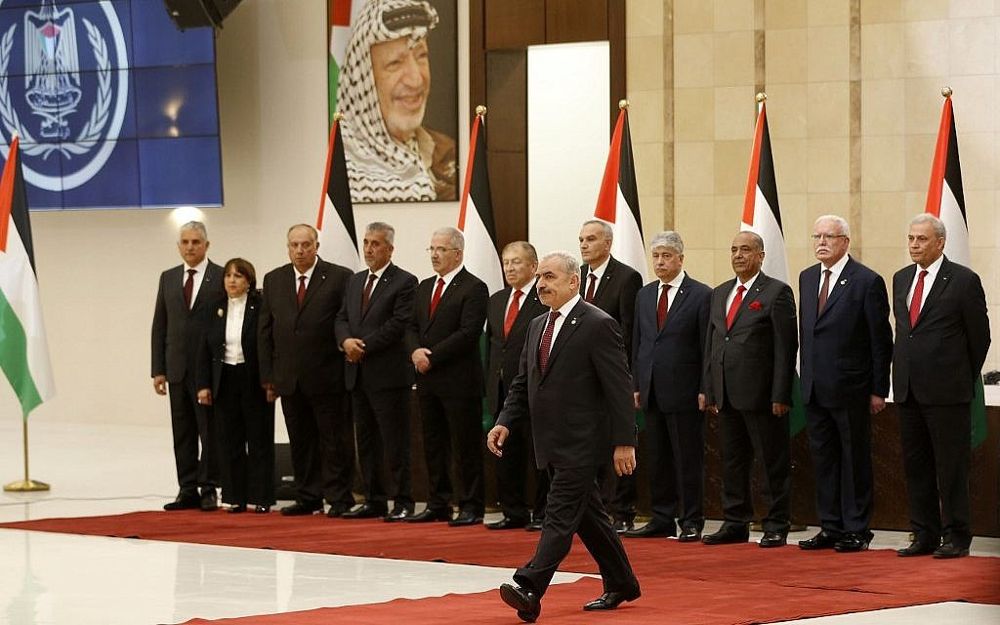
<point>205,397</point>
<point>778,409</point>
<point>624,460</point>
<point>495,439</point>
<point>272,395</point>
<point>420,359</point>
<point>876,404</point>
<point>160,384</point>
<point>636,401</point>
<point>702,406</point>
<point>354,349</point>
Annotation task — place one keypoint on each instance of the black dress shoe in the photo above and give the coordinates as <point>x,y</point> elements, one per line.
<point>622,525</point>
<point>613,599</point>
<point>183,502</point>
<point>465,517</point>
<point>209,502</point>
<point>428,515</point>
<point>262,509</point>
<point>772,539</point>
<point>526,602</point>
<point>337,510</point>
<point>822,540</point>
<point>916,548</point>
<point>507,523</point>
<point>365,511</point>
<point>238,508</point>
<point>652,530</point>
<point>852,542</point>
<point>727,536</point>
<point>950,550</point>
<point>689,535</point>
<point>302,509</point>
<point>398,514</point>
<point>534,525</point>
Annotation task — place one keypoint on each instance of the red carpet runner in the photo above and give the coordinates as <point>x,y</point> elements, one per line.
<point>684,583</point>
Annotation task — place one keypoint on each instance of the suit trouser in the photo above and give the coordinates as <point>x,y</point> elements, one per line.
<point>190,423</point>
<point>245,421</point>
<point>936,454</point>
<point>574,507</point>
<point>453,427</point>
<point>676,443</point>
<point>511,472</point>
<point>741,432</point>
<point>382,423</point>
<point>841,444</point>
<point>321,437</point>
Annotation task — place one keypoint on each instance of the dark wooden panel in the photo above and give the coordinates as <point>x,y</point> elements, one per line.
<point>616,41</point>
<point>514,23</point>
<point>507,100</point>
<point>477,54</point>
<point>509,188</point>
<point>576,20</point>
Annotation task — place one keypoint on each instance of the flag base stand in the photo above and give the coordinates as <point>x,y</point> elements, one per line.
<point>26,486</point>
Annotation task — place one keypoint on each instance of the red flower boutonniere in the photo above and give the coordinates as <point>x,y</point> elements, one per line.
<point>755,305</point>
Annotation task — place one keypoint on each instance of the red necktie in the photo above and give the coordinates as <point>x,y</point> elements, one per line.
<point>300,295</point>
<point>512,310</point>
<point>436,298</point>
<point>367,295</point>
<point>824,293</point>
<point>589,297</point>
<point>735,306</point>
<point>918,295</point>
<point>189,287</point>
<point>661,307</point>
<point>546,345</point>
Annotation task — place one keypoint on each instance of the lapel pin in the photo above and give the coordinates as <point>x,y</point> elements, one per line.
<point>572,321</point>
<point>843,282</point>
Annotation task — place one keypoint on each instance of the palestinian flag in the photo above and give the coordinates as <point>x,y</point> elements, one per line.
<point>475,217</point>
<point>618,199</point>
<point>946,201</point>
<point>762,216</point>
<point>341,15</point>
<point>335,221</point>
<point>24,351</point>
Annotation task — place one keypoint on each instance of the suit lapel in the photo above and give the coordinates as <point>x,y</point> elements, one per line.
<point>382,284</point>
<point>603,286</point>
<point>569,326</point>
<point>836,290</point>
<point>315,284</point>
<point>901,288</point>
<point>449,290</point>
<point>750,295</point>
<point>529,302</point>
<point>941,282</point>
<point>676,301</point>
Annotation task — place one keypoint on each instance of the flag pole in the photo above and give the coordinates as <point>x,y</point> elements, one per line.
<point>27,485</point>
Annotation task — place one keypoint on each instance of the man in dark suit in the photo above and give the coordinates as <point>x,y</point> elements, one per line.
<point>611,286</point>
<point>371,324</point>
<point>443,341</point>
<point>509,312</point>
<point>668,345</point>
<point>845,356</point>
<point>573,381</point>
<point>749,371</point>
<point>301,363</point>
<point>187,297</point>
<point>942,336</point>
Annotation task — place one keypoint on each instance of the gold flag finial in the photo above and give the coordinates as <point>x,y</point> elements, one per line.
<point>761,96</point>
<point>338,116</point>
<point>946,91</point>
<point>481,110</point>
<point>623,104</point>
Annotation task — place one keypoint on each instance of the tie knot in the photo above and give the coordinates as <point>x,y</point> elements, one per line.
<point>191,272</point>
<point>923,273</point>
<point>372,278</point>
<point>741,289</point>
<point>302,279</point>
<point>827,272</point>
<point>440,282</point>
<point>666,287</point>
<point>553,315</point>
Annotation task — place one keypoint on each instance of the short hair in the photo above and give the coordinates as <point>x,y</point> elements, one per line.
<point>315,233</point>
<point>845,228</point>
<point>384,228</point>
<point>757,239</point>
<point>456,240</point>
<point>525,246</point>
<point>244,268</point>
<point>927,218</point>
<point>609,232</point>
<point>668,239</point>
<point>197,226</point>
<point>567,262</point>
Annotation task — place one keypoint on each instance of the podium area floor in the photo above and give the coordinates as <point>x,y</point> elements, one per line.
<point>93,469</point>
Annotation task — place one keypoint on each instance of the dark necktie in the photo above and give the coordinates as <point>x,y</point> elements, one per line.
<point>546,345</point>
<point>824,293</point>
<point>661,307</point>
<point>436,298</point>
<point>591,287</point>
<point>367,295</point>
<point>735,306</point>
<point>300,295</point>
<point>918,295</point>
<point>512,310</point>
<point>189,287</point>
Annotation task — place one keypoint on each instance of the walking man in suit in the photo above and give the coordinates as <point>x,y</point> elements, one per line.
<point>509,312</point>
<point>301,363</point>
<point>371,324</point>
<point>749,371</point>
<point>845,355</point>
<point>187,297</point>
<point>668,345</point>
<point>942,336</point>
<point>611,286</point>
<point>574,382</point>
<point>443,341</point>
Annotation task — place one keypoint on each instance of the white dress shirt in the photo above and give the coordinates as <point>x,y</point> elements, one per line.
<point>835,271</point>
<point>674,284</point>
<point>234,330</point>
<point>932,272</point>
<point>732,294</point>
<point>307,273</point>
<point>196,279</point>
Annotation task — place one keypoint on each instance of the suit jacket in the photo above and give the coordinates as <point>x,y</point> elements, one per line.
<point>581,409</point>
<point>213,347</point>
<point>178,331</point>
<point>298,348</point>
<point>615,294</point>
<point>752,365</point>
<point>669,360</point>
<point>938,360</point>
<point>846,351</point>
<point>503,354</point>
<point>452,335</point>
<point>386,363</point>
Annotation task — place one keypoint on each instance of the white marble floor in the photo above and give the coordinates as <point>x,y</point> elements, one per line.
<point>62,579</point>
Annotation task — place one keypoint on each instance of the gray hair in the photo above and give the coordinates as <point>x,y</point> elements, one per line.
<point>927,218</point>
<point>457,239</point>
<point>845,228</point>
<point>757,239</point>
<point>384,228</point>
<point>525,247</point>
<point>196,226</point>
<point>313,231</point>
<point>668,239</point>
<point>609,232</point>
<point>567,262</point>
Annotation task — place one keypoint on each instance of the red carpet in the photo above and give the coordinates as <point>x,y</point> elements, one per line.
<point>690,583</point>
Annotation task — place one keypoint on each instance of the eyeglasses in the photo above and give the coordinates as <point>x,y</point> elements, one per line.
<point>441,250</point>
<point>827,237</point>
